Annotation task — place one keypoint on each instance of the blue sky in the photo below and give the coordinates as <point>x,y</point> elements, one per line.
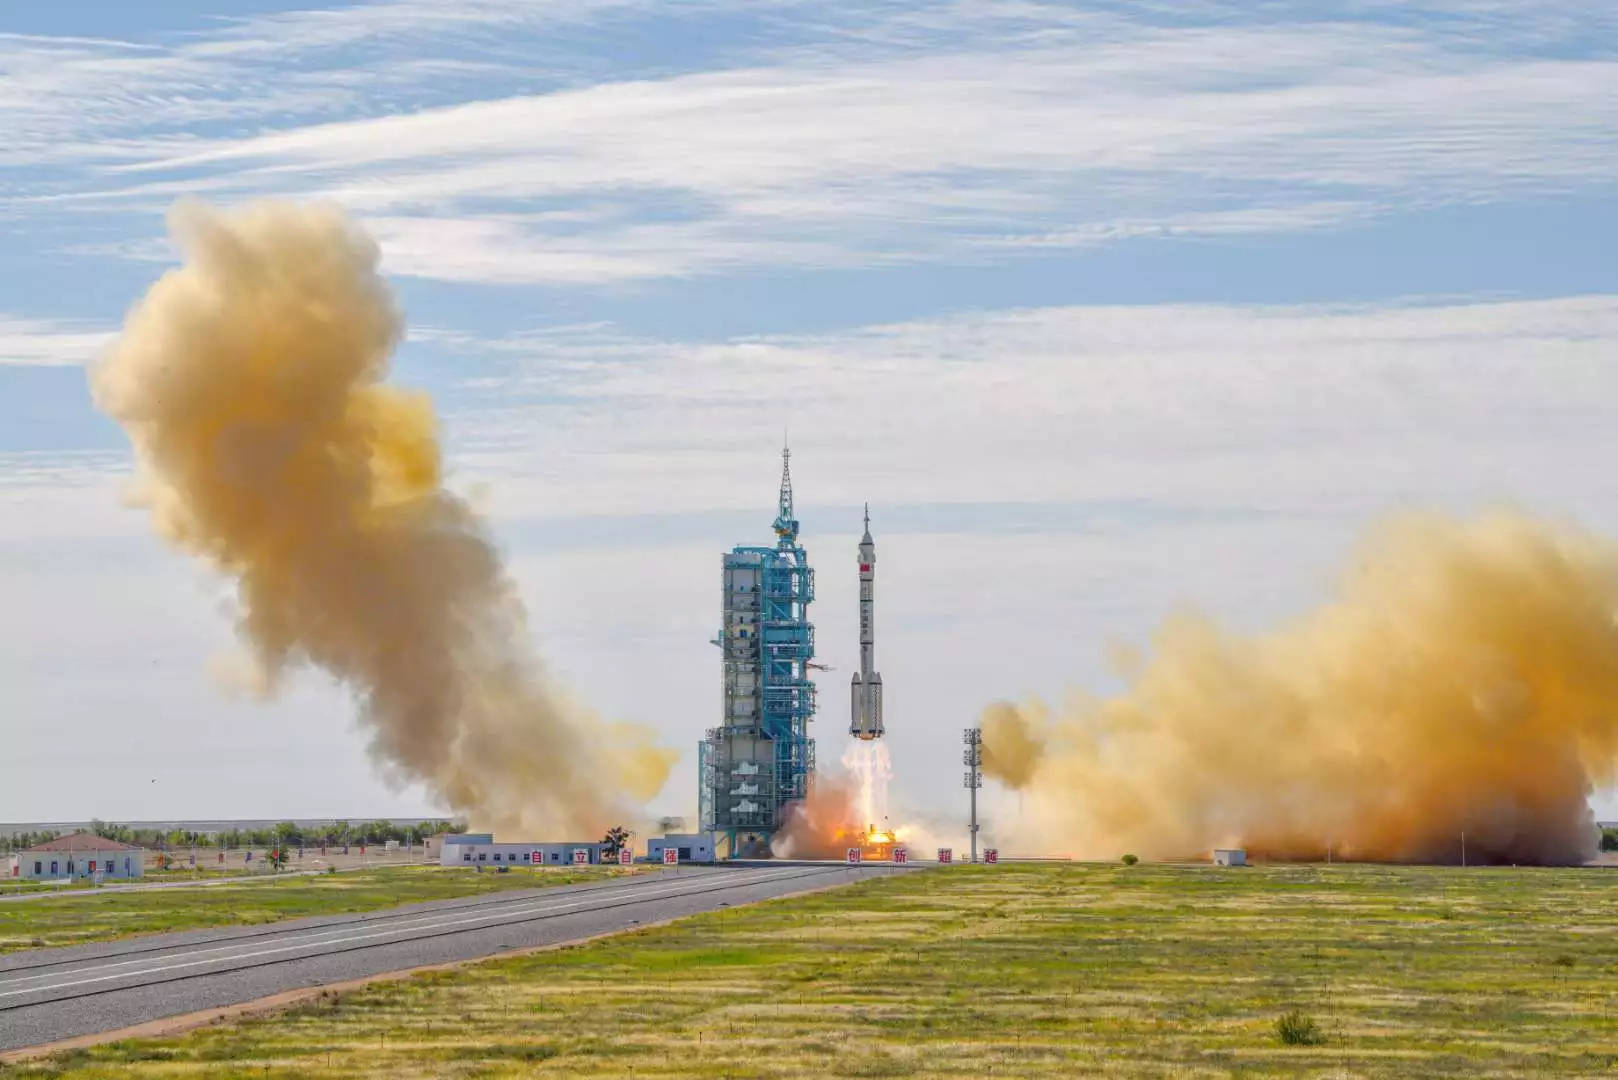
<point>1105,307</point>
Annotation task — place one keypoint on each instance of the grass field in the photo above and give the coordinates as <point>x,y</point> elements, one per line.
<point>1018,971</point>
<point>11,888</point>
<point>26,924</point>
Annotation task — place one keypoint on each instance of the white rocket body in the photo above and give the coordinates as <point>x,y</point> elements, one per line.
<point>865,719</point>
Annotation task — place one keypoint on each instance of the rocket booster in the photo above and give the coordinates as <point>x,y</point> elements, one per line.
<point>865,719</point>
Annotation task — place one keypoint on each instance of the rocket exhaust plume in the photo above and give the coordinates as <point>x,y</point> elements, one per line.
<point>1465,679</point>
<point>848,809</point>
<point>250,383</point>
<point>869,769</point>
<point>840,808</point>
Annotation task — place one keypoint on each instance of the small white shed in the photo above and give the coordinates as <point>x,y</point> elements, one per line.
<point>1230,856</point>
<point>692,847</point>
<point>81,855</point>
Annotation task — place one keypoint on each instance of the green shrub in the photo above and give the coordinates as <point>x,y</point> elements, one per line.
<point>1296,1029</point>
<point>1130,860</point>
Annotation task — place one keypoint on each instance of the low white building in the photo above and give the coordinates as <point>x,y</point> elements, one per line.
<point>692,847</point>
<point>479,849</point>
<point>81,855</point>
<point>1230,857</point>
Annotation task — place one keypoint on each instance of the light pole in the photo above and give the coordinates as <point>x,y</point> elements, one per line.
<point>973,759</point>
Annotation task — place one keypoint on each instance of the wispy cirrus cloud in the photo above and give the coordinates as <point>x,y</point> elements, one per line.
<point>837,138</point>
<point>49,342</point>
<point>1211,403</point>
<point>73,99</point>
<point>1265,406</point>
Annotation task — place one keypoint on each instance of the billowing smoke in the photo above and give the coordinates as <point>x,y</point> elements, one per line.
<point>1464,680</point>
<point>250,382</point>
<point>817,827</point>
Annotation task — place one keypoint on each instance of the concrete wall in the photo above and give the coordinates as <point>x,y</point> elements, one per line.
<point>488,854</point>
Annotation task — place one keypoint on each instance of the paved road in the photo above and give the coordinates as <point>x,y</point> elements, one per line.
<point>51,994</point>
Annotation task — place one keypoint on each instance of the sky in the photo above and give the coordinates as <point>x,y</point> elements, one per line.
<point>1108,309</point>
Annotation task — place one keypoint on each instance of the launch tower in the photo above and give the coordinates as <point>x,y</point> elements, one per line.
<point>758,761</point>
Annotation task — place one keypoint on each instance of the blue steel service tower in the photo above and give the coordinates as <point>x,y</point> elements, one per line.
<point>758,762</point>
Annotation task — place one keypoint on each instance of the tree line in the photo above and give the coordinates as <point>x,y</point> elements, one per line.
<point>286,834</point>
<point>19,841</point>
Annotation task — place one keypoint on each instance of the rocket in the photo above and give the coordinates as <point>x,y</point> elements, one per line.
<point>865,719</point>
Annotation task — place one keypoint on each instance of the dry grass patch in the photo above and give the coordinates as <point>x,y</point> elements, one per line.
<point>41,922</point>
<point>1019,970</point>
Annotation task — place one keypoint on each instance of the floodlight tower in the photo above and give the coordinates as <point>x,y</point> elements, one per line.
<point>973,759</point>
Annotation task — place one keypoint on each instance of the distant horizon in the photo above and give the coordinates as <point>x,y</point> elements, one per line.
<point>12,828</point>
<point>204,824</point>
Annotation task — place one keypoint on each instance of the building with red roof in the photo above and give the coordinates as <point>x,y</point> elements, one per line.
<point>78,855</point>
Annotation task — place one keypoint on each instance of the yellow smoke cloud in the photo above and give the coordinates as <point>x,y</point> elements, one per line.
<point>249,381</point>
<point>1465,679</point>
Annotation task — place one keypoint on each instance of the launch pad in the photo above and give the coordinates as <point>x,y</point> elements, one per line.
<point>874,844</point>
